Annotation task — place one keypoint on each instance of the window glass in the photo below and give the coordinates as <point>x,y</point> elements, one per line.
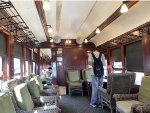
<point>27,68</point>
<point>34,67</point>
<point>105,69</point>
<point>139,76</point>
<point>117,65</point>
<point>17,69</point>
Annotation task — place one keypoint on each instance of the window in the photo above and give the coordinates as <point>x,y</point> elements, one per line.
<point>17,66</point>
<point>139,76</point>
<point>105,69</point>
<point>34,67</point>
<point>27,68</point>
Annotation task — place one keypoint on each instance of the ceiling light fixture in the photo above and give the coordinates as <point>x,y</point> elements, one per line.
<point>46,5</point>
<point>98,30</point>
<point>50,30</point>
<point>85,41</point>
<point>124,8</point>
<point>51,40</point>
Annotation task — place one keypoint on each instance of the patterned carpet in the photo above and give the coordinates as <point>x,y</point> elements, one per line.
<point>78,104</point>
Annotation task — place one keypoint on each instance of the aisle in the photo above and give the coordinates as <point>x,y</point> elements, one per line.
<point>78,104</point>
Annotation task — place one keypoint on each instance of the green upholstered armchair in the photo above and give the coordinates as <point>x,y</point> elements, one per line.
<point>86,75</point>
<point>74,81</point>
<point>117,83</point>
<point>135,103</point>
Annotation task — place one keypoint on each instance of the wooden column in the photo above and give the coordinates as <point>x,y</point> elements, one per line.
<point>9,57</point>
<point>31,64</point>
<point>109,56</point>
<point>146,52</point>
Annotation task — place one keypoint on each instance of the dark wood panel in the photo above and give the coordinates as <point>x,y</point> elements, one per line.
<point>74,58</point>
<point>146,52</point>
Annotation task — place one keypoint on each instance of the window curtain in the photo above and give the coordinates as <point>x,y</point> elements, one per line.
<point>134,58</point>
<point>28,52</point>
<point>2,45</point>
<point>116,55</point>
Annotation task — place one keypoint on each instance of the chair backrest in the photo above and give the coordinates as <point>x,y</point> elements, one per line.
<point>118,83</point>
<point>87,75</point>
<point>39,82</point>
<point>10,84</point>
<point>33,88</point>
<point>6,104</point>
<point>23,97</point>
<point>73,75</point>
<point>144,91</point>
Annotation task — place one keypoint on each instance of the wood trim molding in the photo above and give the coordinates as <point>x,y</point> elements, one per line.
<point>41,13</point>
<point>111,18</point>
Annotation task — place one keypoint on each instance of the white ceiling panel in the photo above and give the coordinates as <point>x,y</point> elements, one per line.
<point>101,11</point>
<point>136,16</point>
<point>28,11</point>
<point>73,14</point>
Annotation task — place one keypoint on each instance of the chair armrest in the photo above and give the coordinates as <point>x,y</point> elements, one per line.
<point>102,90</point>
<point>120,97</point>
<point>140,108</point>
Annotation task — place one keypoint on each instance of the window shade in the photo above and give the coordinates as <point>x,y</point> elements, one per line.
<point>116,55</point>
<point>27,54</point>
<point>2,45</point>
<point>34,57</point>
<point>17,50</point>
<point>134,58</point>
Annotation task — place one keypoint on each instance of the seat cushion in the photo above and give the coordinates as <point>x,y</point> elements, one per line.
<point>75,84</point>
<point>73,75</point>
<point>23,97</point>
<point>39,82</point>
<point>125,106</point>
<point>144,91</point>
<point>6,104</point>
<point>33,88</point>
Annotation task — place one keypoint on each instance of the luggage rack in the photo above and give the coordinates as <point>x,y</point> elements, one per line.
<point>12,22</point>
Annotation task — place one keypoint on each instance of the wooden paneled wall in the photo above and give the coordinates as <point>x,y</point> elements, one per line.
<point>74,58</point>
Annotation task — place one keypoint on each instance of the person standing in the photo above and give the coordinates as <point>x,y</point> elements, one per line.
<point>97,61</point>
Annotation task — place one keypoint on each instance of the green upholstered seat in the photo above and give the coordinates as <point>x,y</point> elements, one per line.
<point>6,104</point>
<point>138,103</point>
<point>23,97</point>
<point>74,81</point>
<point>39,82</point>
<point>87,75</point>
<point>33,88</point>
<point>73,75</point>
<point>126,105</point>
<point>144,91</point>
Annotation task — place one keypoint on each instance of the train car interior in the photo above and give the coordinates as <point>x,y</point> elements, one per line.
<point>74,56</point>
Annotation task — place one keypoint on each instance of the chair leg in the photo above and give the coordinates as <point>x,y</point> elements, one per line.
<point>82,91</point>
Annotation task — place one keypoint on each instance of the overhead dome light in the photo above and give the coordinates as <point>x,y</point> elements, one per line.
<point>46,5</point>
<point>124,8</point>
<point>50,30</point>
<point>51,40</point>
<point>98,30</point>
<point>85,41</point>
